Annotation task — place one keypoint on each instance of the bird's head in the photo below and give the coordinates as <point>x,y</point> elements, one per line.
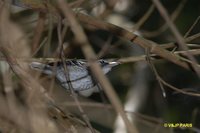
<point>108,65</point>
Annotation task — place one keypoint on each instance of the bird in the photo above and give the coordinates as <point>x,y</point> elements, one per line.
<point>74,74</point>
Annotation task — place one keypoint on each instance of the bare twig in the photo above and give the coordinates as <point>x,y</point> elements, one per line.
<point>97,24</point>
<point>74,95</point>
<point>191,28</point>
<point>176,33</point>
<point>164,27</point>
<point>118,31</point>
<point>26,78</point>
<point>162,82</point>
<point>38,31</point>
<point>49,38</point>
<point>193,37</point>
<point>144,18</point>
<point>153,56</point>
<point>39,47</point>
<point>155,72</point>
<point>123,60</point>
<point>179,90</point>
<point>188,39</point>
<point>96,69</point>
<point>105,48</point>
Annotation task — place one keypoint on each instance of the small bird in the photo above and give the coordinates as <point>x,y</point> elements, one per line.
<point>76,75</point>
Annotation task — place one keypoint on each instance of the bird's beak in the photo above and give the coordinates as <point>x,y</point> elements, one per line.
<point>113,63</point>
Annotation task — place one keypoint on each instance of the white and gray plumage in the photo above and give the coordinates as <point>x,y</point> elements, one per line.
<point>79,75</point>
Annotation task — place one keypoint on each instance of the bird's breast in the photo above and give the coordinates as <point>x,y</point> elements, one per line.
<point>78,79</point>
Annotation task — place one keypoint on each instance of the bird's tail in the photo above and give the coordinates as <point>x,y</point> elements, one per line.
<point>44,68</point>
<point>37,66</point>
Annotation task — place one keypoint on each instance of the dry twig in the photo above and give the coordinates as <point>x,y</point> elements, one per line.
<point>96,69</point>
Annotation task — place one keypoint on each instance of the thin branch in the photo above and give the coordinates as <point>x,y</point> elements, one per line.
<point>123,60</point>
<point>162,82</point>
<point>67,76</point>
<point>97,24</point>
<point>155,72</point>
<point>188,39</point>
<point>38,31</point>
<point>164,27</point>
<point>105,48</point>
<point>23,75</point>
<point>192,27</point>
<point>178,36</point>
<point>144,18</point>
<point>179,90</point>
<point>96,69</point>
<point>118,31</point>
<point>49,38</point>
<point>153,56</point>
<point>88,104</point>
<point>193,37</point>
<point>39,47</point>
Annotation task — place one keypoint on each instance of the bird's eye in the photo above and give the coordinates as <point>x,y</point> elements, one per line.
<point>103,62</point>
